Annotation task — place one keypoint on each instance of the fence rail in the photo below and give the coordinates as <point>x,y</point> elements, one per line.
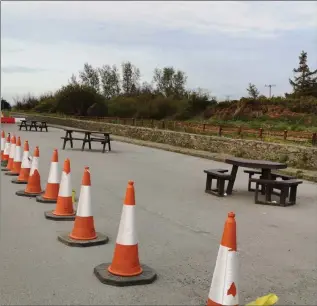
<point>302,137</point>
<point>210,129</point>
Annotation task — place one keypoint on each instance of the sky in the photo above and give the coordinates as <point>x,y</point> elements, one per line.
<point>221,46</point>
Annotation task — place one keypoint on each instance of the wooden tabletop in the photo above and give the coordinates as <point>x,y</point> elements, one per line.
<point>84,131</point>
<point>257,164</point>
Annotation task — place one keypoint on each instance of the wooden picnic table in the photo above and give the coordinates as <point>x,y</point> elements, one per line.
<point>265,165</point>
<point>33,124</point>
<point>102,137</point>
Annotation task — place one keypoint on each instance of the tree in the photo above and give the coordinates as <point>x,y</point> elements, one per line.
<point>110,81</point>
<point>130,78</point>
<point>5,105</point>
<point>253,91</point>
<point>90,77</point>
<point>169,82</point>
<point>73,80</point>
<point>305,81</point>
<point>77,99</point>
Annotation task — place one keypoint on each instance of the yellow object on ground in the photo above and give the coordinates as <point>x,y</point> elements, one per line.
<point>265,300</point>
<point>74,196</point>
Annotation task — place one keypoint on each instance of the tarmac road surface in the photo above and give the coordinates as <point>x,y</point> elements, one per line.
<point>179,229</point>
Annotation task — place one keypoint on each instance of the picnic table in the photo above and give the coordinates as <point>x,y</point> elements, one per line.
<point>265,166</point>
<point>33,124</point>
<point>268,184</point>
<point>89,137</point>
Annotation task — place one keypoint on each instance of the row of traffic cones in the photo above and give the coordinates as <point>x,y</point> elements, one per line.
<point>125,268</point>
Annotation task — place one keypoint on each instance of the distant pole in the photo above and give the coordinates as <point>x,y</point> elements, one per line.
<point>228,98</point>
<point>270,89</point>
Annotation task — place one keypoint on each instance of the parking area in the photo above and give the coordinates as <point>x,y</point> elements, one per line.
<point>179,228</point>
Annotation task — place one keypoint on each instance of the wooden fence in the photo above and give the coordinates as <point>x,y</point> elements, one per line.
<point>209,129</point>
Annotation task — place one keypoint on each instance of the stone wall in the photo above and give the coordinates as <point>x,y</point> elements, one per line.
<point>295,156</point>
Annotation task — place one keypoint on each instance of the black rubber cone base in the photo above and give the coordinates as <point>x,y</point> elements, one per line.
<point>12,174</point>
<point>148,276</point>
<point>49,215</point>
<point>22,193</point>
<point>40,199</point>
<point>5,169</point>
<point>15,181</point>
<point>101,239</point>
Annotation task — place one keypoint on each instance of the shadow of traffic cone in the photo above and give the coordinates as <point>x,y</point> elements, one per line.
<point>11,155</point>
<point>25,166</point>
<point>16,167</point>
<point>6,152</point>
<point>64,210</point>
<point>51,192</point>
<point>83,233</point>
<point>3,142</point>
<point>33,187</point>
<point>224,284</point>
<point>125,269</point>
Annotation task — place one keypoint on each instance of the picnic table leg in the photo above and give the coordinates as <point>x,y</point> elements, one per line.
<point>208,182</point>
<point>84,142</point>
<point>71,139</point>
<point>266,175</point>
<point>293,193</point>
<point>268,194</point>
<point>65,140</point>
<point>45,126</point>
<point>109,145</point>
<point>231,182</point>
<point>89,142</point>
<point>283,196</point>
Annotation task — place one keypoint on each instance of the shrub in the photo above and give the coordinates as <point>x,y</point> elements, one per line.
<point>75,99</point>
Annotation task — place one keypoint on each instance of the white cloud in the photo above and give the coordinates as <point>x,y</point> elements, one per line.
<point>252,18</point>
<point>221,66</point>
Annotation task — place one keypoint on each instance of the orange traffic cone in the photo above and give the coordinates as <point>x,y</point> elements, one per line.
<point>64,207</point>
<point>83,233</point>
<point>11,155</point>
<point>6,152</point>
<point>51,192</point>
<point>25,166</point>
<point>3,142</point>
<point>16,167</point>
<point>125,262</point>
<point>224,284</point>
<point>33,187</point>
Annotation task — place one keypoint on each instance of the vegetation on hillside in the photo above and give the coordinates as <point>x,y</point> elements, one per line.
<point>113,92</point>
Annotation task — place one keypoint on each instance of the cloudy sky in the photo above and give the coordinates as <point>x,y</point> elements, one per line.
<point>222,46</point>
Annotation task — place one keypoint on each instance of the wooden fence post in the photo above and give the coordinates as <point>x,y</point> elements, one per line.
<point>239,130</point>
<point>261,133</point>
<point>314,139</point>
<point>285,135</point>
<point>204,127</point>
<point>220,131</point>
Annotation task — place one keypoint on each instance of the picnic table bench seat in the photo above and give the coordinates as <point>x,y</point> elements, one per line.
<point>274,176</point>
<point>221,177</point>
<point>33,124</point>
<point>287,195</point>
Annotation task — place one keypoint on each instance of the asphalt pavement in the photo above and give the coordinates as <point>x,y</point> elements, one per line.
<point>179,229</point>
